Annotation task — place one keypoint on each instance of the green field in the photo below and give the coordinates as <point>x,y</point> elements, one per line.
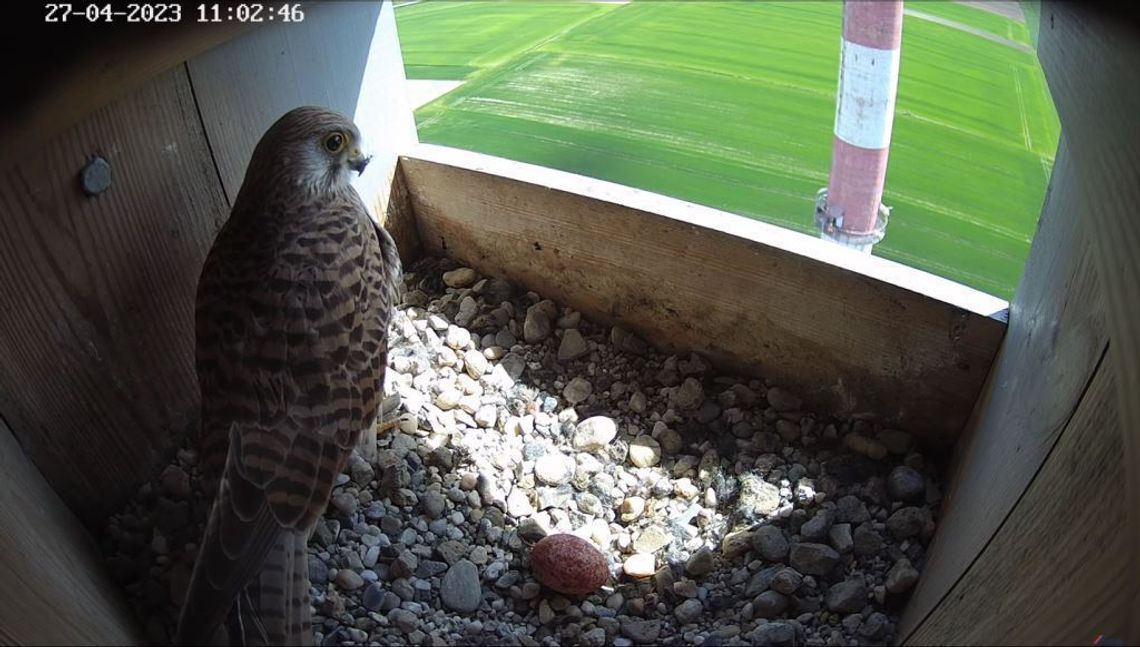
<point>732,105</point>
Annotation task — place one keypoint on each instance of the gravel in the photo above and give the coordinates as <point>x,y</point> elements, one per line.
<point>729,513</point>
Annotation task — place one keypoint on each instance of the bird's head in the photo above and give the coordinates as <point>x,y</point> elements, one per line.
<point>312,148</point>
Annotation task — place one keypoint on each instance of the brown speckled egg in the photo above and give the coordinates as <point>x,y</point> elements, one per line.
<point>569,564</point>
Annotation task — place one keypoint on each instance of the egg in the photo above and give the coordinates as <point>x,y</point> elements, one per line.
<point>569,564</point>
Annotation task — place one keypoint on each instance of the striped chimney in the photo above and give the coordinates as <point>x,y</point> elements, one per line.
<point>850,210</point>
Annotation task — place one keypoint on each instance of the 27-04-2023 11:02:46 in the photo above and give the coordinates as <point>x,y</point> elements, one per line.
<point>172,12</point>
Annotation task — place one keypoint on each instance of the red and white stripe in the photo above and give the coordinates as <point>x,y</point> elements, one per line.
<point>868,83</point>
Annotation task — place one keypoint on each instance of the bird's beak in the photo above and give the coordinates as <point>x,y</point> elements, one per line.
<point>357,161</point>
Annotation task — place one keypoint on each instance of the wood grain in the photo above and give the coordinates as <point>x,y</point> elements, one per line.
<point>1056,335</point>
<point>344,56</point>
<point>1057,572</point>
<point>97,293</point>
<point>1092,65</point>
<point>86,70</point>
<point>56,591</point>
<point>846,342</point>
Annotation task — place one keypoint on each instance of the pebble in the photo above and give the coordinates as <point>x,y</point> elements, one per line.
<point>689,395</point>
<point>640,565</point>
<point>641,631</point>
<point>769,604</point>
<point>595,433</point>
<point>866,446</point>
<point>783,400</point>
<point>573,346</point>
<point>644,451</point>
<point>840,536</point>
<point>700,563</point>
<point>769,542</point>
<point>652,539</point>
<point>688,611</point>
<point>554,468</point>
<point>577,390</point>
<point>813,559</point>
<point>908,522</point>
<point>906,484</point>
<point>460,589</point>
<point>849,596</point>
<point>349,580</point>
<point>902,576</point>
<point>463,277</point>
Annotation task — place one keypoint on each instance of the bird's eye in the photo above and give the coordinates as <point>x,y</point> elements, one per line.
<point>335,142</point>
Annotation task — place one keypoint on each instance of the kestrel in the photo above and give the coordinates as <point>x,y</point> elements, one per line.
<point>292,317</point>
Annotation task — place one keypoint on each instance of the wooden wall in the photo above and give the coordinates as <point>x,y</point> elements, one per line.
<point>845,341</point>
<point>1038,544</point>
<point>55,591</point>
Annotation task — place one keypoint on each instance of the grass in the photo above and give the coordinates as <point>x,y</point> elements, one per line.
<point>732,105</point>
<point>976,18</point>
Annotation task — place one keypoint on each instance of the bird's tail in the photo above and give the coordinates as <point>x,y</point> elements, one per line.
<point>273,609</point>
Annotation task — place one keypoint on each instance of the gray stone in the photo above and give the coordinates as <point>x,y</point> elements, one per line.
<point>840,536</point>
<point>688,611</point>
<point>760,580</point>
<point>349,580</point>
<point>874,626</point>
<point>573,346</point>
<point>816,528</point>
<point>318,571</point>
<point>788,430</point>
<point>373,597</point>
<point>404,620</point>
<point>628,342</point>
<point>849,596</point>
<point>908,522</point>
<point>641,631</point>
<point>700,563</point>
<point>787,581</point>
<point>906,484</point>
<point>577,390</point>
<point>433,504</point>
<point>595,433</point>
<point>689,395</point>
<point>513,364</point>
<point>850,509</point>
<point>783,400</point>
<point>769,542</point>
<point>902,576</point>
<point>460,589</point>
<point>813,559</point>
<point>451,551</point>
<point>769,604</point>
<point>536,326</point>
<point>776,634</point>
<point>866,541</point>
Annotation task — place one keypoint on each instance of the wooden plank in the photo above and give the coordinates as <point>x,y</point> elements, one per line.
<point>56,590</point>
<point>245,85</point>
<point>845,341</point>
<point>91,65</point>
<point>1056,335</point>
<point>97,293</point>
<point>1092,65</point>
<point>1058,570</point>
